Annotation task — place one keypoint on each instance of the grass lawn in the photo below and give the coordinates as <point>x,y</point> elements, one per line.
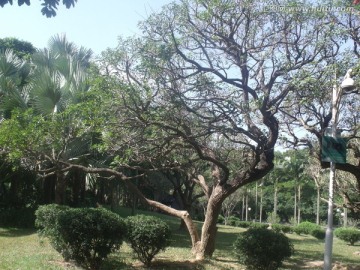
<point>23,250</point>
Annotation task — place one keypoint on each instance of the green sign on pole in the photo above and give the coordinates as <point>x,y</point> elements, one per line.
<point>333,149</point>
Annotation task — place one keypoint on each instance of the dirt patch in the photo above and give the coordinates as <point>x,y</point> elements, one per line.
<point>166,264</point>
<point>340,266</point>
<point>319,265</point>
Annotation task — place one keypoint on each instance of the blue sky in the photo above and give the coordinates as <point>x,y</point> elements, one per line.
<point>89,24</point>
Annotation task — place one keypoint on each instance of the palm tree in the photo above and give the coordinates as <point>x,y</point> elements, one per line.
<point>60,79</point>
<point>60,75</point>
<point>55,78</point>
<point>14,83</point>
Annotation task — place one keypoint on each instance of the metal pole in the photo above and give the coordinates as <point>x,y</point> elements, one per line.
<point>336,95</point>
<point>329,229</point>
<point>246,205</point>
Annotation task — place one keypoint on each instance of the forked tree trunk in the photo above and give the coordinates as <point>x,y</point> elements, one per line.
<point>201,247</point>
<point>206,247</point>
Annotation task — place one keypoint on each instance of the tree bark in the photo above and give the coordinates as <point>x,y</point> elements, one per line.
<point>295,205</point>
<point>206,247</point>
<point>318,206</point>
<point>299,205</point>
<point>60,188</point>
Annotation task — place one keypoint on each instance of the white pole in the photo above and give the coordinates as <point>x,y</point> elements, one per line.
<point>329,229</point>
<point>336,95</point>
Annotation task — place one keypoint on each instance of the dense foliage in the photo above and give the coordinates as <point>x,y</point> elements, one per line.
<point>262,249</point>
<point>349,235</point>
<point>147,236</point>
<point>49,6</point>
<point>306,227</point>
<point>47,222</point>
<point>22,49</point>
<point>85,235</point>
<point>318,233</point>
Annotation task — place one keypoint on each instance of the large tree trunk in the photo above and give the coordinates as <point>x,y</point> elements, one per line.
<point>202,247</point>
<point>49,184</point>
<point>60,188</point>
<point>206,247</point>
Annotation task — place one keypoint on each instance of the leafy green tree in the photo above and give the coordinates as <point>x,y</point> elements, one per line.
<point>60,77</point>
<point>309,106</point>
<point>58,80</point>
<point>49,6</point>
<point>22,49</point>
<point>15,75</point>
<point>207,80</point>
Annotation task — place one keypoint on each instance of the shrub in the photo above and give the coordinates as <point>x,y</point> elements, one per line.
<point>349,235</point>
<point>282,228</point>
<point>147,236</point>
<point>91,234</point>
<point>86,235</point>
<point>306,227</point>
<point>287,229</point>
<point>318,233</point>
<point>276,227</point>
<point>272,218</point>
<point>243,224</point>
<point>262,249</point>
<point>232,221</point>
<point>221,219</point>
<point>47,223</point>
<point>259,225</point>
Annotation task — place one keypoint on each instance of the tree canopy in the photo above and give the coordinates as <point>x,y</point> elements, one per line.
<point>22,49</point>
<point>49,6</point>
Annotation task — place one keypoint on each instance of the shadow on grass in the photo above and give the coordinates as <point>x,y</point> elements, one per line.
<point>157,264</point>
<point>14,232</point>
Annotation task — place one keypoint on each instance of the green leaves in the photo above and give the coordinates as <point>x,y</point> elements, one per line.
<point>49,6</point>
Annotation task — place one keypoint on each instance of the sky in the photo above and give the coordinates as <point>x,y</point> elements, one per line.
<point>88,24</point>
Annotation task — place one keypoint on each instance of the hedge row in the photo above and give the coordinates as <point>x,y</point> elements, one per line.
<point>89,235</point>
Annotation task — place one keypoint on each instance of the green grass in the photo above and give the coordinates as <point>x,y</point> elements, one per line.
<point>22,249</point>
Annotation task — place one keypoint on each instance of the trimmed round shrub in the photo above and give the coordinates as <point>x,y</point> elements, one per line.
<point>306,227</point>
<point>262,249</point>
<point>318,233</point>
<point>91,234</point>
<point>47,224</point>
<point>147,236</point>
<point>349,235</point>
<point>85,235</point>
